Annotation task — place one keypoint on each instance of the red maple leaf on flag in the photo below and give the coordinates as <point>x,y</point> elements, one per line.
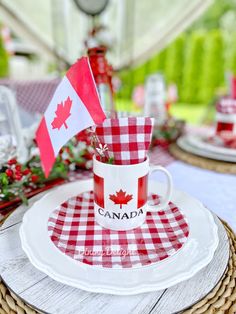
<point>62,114</point>
<point>121,198</point>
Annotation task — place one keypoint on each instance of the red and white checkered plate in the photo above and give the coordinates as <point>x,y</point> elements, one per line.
<point>74,232</point>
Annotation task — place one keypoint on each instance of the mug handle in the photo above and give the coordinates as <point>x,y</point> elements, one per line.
<point>164,203</point>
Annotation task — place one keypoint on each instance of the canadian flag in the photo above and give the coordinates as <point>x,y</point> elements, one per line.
<point>105,195</point>
<point>74,107</point>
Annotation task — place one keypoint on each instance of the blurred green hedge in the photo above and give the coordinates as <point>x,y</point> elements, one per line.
<point>4,60</point>
<point>196,62</point>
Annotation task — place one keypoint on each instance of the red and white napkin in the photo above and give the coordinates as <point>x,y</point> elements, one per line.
<point>228,139</point>
<point>127,139</point>
<point>226,106</point>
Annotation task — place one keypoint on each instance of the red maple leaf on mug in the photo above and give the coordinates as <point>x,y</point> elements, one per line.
<point>62,114</point>
<point>121,198</point>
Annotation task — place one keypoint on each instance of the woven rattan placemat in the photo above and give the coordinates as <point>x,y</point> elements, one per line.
<point>221,300</point>
<point>206,163</point>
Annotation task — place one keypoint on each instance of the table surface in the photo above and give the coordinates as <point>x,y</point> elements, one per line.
<point>50,296</point>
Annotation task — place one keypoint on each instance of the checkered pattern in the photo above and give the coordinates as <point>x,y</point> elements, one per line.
<point>127,139</point>
<point>228,138</point>
<point>80,175</point>
<point>160,156</point>
<point>33,95</point>
<point>227,106</point>
<point>74,232</point>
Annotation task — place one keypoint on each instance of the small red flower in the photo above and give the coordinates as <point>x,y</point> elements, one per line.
<point>9,173</point>
<point>34,178</point>
<point>12,161</point>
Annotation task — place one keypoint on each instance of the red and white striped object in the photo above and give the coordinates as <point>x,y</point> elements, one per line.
<point>74,231</point>
<point>74,107</point>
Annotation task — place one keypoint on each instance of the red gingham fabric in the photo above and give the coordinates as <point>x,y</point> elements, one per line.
<point>33,95</point>
<point>127,139</point>
<point>227,106</point>
<point>160,156</point>
<point>74,232</point>
<point>228,138</point>
<point>80,175</point>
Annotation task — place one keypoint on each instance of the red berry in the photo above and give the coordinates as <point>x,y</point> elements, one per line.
<point>34,178</point>
<point>67,161</point>
<point>88,155</point>
<point>18,174</point>
<point>12,161</point>
<point>18,168</point>
<point>26,171</point>
<point>9,173</point>
<point>18,177</point>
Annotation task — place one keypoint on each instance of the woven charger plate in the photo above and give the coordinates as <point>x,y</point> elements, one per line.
<point>205,163</point>
<point>221,300</point>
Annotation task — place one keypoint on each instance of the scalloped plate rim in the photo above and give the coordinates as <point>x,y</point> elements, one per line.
<point>113,289</point>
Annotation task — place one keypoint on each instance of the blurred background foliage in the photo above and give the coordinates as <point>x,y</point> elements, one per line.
<point>4,60</point>
<point>197,61</point>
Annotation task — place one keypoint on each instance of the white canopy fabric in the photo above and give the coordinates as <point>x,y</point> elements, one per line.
<point>140,27</point>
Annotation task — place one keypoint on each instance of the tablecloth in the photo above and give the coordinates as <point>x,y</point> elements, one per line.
<point>216,191</point>
<point>32,95</point>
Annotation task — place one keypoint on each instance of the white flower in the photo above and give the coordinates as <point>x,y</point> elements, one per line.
<point>102,149</point>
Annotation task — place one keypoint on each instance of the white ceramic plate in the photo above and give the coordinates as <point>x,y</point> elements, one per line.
<point>197,252</point>
<point>196,146</point>
<point>200,142</point>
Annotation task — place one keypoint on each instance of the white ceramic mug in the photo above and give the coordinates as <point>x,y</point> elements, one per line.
<point>121,192</point>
